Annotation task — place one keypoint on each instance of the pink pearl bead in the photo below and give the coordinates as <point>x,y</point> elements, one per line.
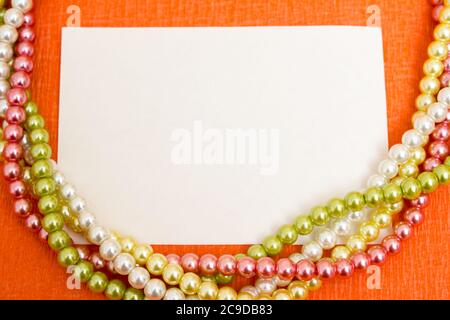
<point>391,244</point>
<point>445,79</point>
<point>246,267</point>
<point>22,207</point>
<point>110,267</point>
<point>98,262</point>
<point>17,96</point>
<point>28,19</point>
<point>436,12</point>
<point>361,261</point>
<point>286,269</point>
<point>377,255</point>
<point>27,34</point>
<point>17,188</point>
<point>414,216</point>
<point>23,63</point>
<point>265,268</point>
<point>13,152</point>
<point>226,265</point>
<point>438,149</point>
<point>421,202</point>
<point>431,163</point>
<point>33,222</point>
<point>25,49</point>
<point>15,115</point>
<point>306,270</point>
<point>344,268</point>
<point>325,268</point>
<point>189,262</point>
<point>83,251</point>
<point>43,235</point>
<point>20,79</point>
<point>173,258</point>
<point>441,132</point>
<point>403,230</point>
<point>208,264</point>
<point>12,171</point>
<point>13,133</point>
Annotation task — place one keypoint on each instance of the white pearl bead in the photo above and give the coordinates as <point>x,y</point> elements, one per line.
<point>4,105</point>
<point>14,17</point>
<point>5,71</point>
<point>124,263</point>
<point>388,168</point>
<point>138,277</point>
<point>68,192</point>
<point>424,124</point>
<point>109,249</point>
<point>281,283</point>
<point>342,227</point>
<point>251,290</point>
<point>59,179</point>
<point>326,239</point>
<point>8,34</point>
<point>376,181</point>
<point>438,111</point>
<point>413,139</point>
<point>155,289</point>
<point>4,87</point>
<point>77,205</point>
<point>97,234</point>
<point>174,294</point>
<point>86,220</point>
<point>267,286</point>
<point>444,96</point>
<point>6,51</point>
<point>356,216</point>
<point>399,153</point>
<point>312,250</point>
<point>296,257</point>
<point>22,5</point>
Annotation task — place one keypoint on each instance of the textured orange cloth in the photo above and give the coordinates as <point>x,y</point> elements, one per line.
<point>28,269</point>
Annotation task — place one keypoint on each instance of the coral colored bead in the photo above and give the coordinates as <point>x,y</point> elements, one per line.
<point>445,79</point>
<point>326,268</point>
<point>173,258</point>
<point>361,261</point>
<point>421,202</point>
<point>226,265</point>
<point>431,163</point>
<point>403,230</point>
<point>17,96</point>
<point>23,63</point>
<point>441,132</point>
<point>414,216</point>
<point>28,19</point>
<point>13,152</point>
<point>392,245</point>
<point>15,115</point>
<point>435,2</point>
<point>436,12</point>
<point>17,188</point>
<point>286,269</point>
<point>265,268</point>
<point>13,133</point>
<point>22,207</point>
<point>25,49</point>
<point>20,79</point>
<point>377,255</point>
<point>439,149</point>
<point>246,267</point>
<point>83,252</point>
<point>189,262</point>
<point>208,264</point>
<point>98,262</point>
<point>344,268</point>
<point>306,270</point>
<point>27,34</point>
<point>447,64</point>
<point>12,171</point>
<point>33,222</point>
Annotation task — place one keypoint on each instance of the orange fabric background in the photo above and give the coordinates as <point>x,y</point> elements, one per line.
<point>28,269</point>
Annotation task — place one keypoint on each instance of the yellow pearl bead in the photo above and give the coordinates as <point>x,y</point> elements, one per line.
<point>444,16</point>
<point>208,291</point>
<point>281,294</point>
<point>172,274</point>
<point>423,101</point>
<point>442,32</point>
<point>369,231</point>
<point>115,235</point>
<point>141,253</point>
<point>418,155</point>
<point>430,85</point>
<point>226,293</point>
<point>395,208</point>
<point>127,244</point>
<point>264,297</point>
<point>433,67</point>
<point>244,296</point>
<point>409,170</point>
<point>438,50</point>
<point>340,252</point>
<point>356,243</point>
<point>314,284</point>
<point>382,218</point>
<point>156,264</point>
<point>189,283</point>
<point>298,290</point>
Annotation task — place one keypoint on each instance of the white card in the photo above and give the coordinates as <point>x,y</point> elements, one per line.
<point>218,135</point>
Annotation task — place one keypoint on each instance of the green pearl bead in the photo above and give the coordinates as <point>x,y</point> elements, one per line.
<point>48,204</point>
<point>304,225</point>
<point>337,208</point>
<point>429,181</point>
<point>374,197</point>
<point>59,240</point>
<point>53,222</point>
<point>355,201</point>
<point>133,294</point>
<point>287,234</point>
<point>442,172</point>
<point>411,188</point>
<point>239,256</point>
<point>45,187</point>
<point>31,108</point>
<point>272,245</point>
<point>319,216</point>
<point>68,257</point>
<point>41,151</point>
<point>409,170</point>
<point>2,15</point>
<point>83,271</point>
<point>98,282</point>
<point>35,121</point>
<point>392,193</point>
<point>210,278</point>
<point>222,279</point>
<point>42,169</point>
<point>115,290</point>
<point>256,251</point>
<point>447,161</point>
<point>39,136</point>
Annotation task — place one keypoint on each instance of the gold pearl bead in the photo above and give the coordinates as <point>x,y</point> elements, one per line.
<point>156,264</point>
<point>444,16</point>
<point>382,218</point>
<point>356,243</point>
<point>430,85</point>
<point>418,155</point>
<point>423,101</point>
<point>172,274</point>
<point>208,291</point>
<point>115,235</point>
<point>369,231</point>
<point>226,293</point>
<point>314,284</point>
<point>442,32</point>
<point>340,252</point>
<point>433,67</point>
<point>264,297</point>
<point>281,294</point>
<point>141,253</point>
<point>244,296</point>
<point>127,244</point>
<point>189,283</point>
<point>298,290</point>
<point>437,50</point>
